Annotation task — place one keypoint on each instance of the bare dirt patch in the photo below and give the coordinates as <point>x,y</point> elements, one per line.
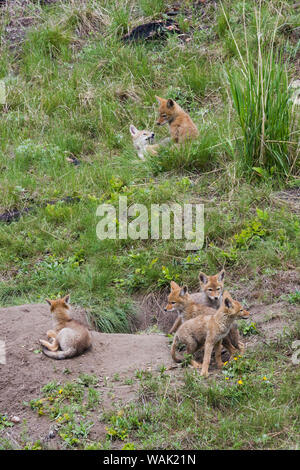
<point>289,197</point>
<point>27,370</point>
<point>272,321</point>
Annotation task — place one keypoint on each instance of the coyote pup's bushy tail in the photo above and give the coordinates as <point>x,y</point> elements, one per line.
<point>70,352</point>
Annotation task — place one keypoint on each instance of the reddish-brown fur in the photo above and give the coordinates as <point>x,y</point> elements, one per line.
<point>210,295</point>
<point>181,125</point>
<point>69,335</point>
<point>208,330</point>
<point>179,299</point>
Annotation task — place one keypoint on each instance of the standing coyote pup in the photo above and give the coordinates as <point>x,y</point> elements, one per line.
<point>181,125</point>
<point>211,289</point>
<point>69,335</point>
<point>210,295</point>
<point>179,299</point>
<point>209,330</point>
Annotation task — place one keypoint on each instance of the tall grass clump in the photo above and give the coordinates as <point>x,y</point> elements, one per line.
<point>262,99</point>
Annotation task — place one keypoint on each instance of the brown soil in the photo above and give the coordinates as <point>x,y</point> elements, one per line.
<point>112,358</point>
<point>289,197</point>
<point>26,371</point>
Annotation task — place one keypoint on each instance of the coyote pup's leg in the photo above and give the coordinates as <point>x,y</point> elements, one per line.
<point>218,351</point>
<point>191,348</point>
<point>51,346</point>
<point>51,334</point>
<point>175,326</point>
<point>195,364</point>
<point>241,347</point>
<point>228,345</point>
<point>209,346</point>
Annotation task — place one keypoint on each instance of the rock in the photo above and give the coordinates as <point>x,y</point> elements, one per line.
<point>51,434</point>
<point>15,419</point>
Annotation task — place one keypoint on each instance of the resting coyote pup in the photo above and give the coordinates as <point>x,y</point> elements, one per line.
<point>181,125</point>
<point>71,336</point>
<point>142,141</point>
<point>209,330</point>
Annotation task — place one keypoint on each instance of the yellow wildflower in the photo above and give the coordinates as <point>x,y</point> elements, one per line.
<point>240,382</point>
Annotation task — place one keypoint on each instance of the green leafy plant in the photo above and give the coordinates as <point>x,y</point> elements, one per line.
<point>5,422</point>
<point>293,298</point>
<point>247,328</point>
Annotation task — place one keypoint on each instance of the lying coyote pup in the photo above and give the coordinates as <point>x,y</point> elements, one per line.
<point>71,336</point>
<point>143,142</point>
<point>179,299</point>
<point>209,330</point>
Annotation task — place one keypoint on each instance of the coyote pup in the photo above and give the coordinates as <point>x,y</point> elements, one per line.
<point>209,330</point>
<point>181,125</point>
<point>211,294</point>
<point>179,299</point>
<point>142,141</point>
<point>69,335</point>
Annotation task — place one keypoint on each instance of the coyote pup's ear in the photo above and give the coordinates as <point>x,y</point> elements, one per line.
<point>170,103</point>
<point>48,302</point>
<point>133,129</point>
<point>174,286</point>
<point>202,278</point>
<point>67,299</point>
<point>221,275</point>
<point>183,291</point>
<point>228,302</point>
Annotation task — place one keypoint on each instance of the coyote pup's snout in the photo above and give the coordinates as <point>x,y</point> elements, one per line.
<point>142,141</point>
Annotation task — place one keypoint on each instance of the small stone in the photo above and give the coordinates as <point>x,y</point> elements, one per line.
<point>51,434</point>
<point>15,419</point>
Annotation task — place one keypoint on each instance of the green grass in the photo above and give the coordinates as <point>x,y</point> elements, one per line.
<point>234,410</point>
<point>262,100</point>
<point>66,98</point>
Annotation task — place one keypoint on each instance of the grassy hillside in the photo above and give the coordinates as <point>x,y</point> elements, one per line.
<point>73,87</point>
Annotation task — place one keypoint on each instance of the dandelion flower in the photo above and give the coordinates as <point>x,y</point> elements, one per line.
<point>225,363</point>
<point>265,378</point>
<point>240,382</point>
<point>226,378</point>
<point>235,358</point>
